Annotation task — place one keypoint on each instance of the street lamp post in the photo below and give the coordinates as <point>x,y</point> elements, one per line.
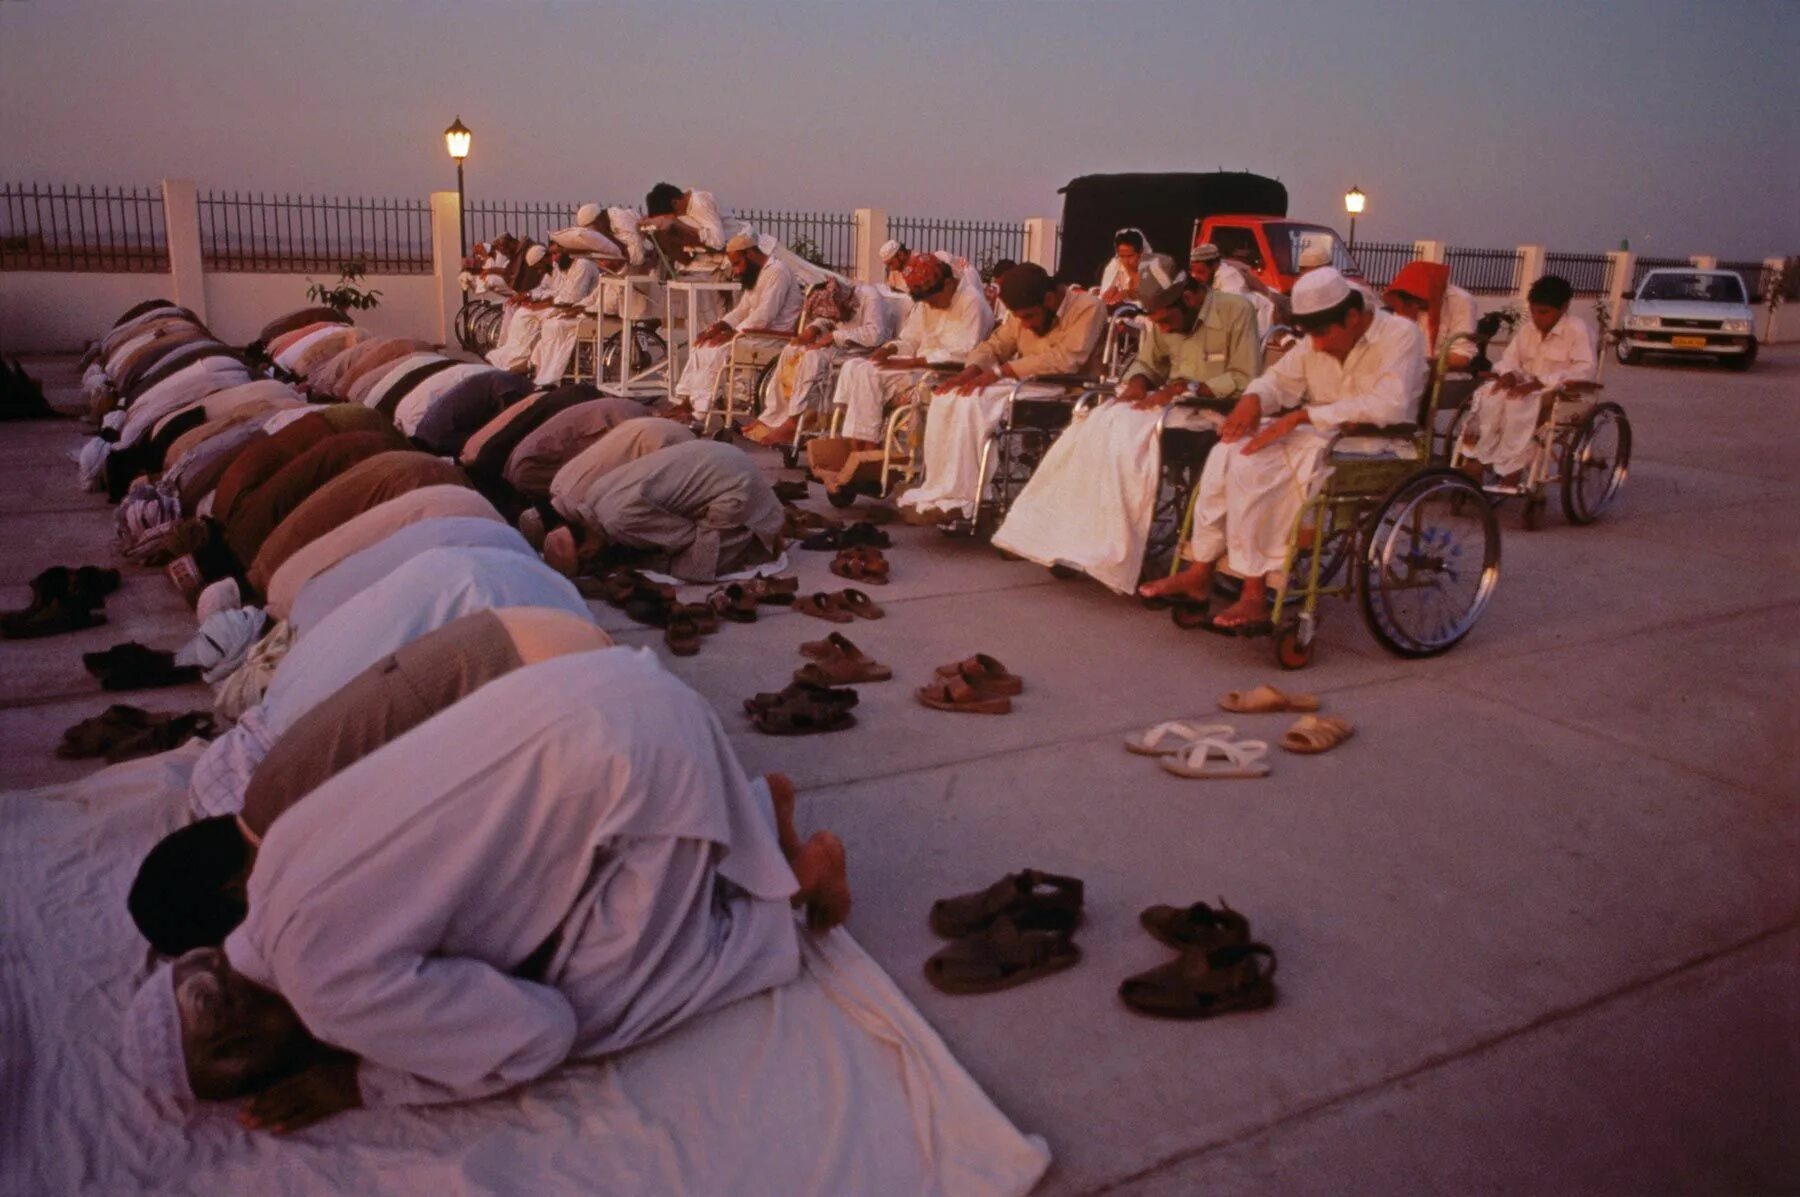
<point>457,137</point>
<point>1354,199</point>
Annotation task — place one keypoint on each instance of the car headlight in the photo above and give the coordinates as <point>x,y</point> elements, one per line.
<point>1640,322</point>
<point>1737,326</point>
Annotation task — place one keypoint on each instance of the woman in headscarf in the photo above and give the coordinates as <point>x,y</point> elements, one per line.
<point>1135,272</point>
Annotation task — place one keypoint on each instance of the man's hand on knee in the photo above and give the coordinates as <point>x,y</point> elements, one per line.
<point>1242,420</point>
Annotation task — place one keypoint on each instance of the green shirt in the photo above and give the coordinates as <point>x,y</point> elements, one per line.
<point>1223,352</point>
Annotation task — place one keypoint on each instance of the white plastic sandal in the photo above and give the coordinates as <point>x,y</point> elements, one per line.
<point>1218,758</point>
<point>1177,735</point>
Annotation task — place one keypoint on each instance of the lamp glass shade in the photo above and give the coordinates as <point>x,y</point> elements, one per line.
<point>1354,200</point>
<point>457,138</point>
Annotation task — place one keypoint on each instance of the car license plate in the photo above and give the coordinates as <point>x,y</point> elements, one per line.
<point>1688,342</point>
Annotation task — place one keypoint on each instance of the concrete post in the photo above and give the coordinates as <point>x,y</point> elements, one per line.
<point>1040,241</point>
<point>871,231</point>
<point>1428,251</point>
<point>1531,265</point>
<point>181,222</point>
<point>446,262</point>
<point>1772,268</point>
<point>1704,262</point>
<point>1624,262</point>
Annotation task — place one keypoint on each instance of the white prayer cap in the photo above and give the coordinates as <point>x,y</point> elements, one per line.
<point>587,214</point>
<point>890,249</point>
<point>743,241</point>
<point>1314,256</point>
<point>1319,291</point>
<point>534,255</point>
<point>153,1052</point>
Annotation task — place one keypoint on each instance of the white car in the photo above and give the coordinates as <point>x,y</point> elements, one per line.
<point>1690,312</point>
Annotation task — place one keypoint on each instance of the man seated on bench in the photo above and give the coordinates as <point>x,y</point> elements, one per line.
<point>613,874</point>
<point>1550,349</point>
<point>1051,329</point>
<point>770,305</point>
<point>1357,367</point>
<point>838,318</point>
<point>949,318</point>
<point>1090,503</point>
<point>575,283</point>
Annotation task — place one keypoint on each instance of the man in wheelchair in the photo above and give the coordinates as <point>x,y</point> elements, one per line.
<point>770,304</point>
<point>1091,502</point>
<point>1552,348</point>
<point>1052,329</point>
<point>839,317</point>
<point>1358,368</point>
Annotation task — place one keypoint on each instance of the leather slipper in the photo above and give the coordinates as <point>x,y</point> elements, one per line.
<point>984,673</point>
<point>1203,984</point>
<point>1010,952</point>
<point>823,605</point>
<point>1013,894</point>
<point>955,694</point>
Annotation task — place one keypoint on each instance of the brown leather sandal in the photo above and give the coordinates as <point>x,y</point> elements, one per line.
<point>835,645</point>
<point>823,605</point>
<point>1012,951</point>
<point>984,673</point>
<point>955,694</point>
<point>1204,984</point>
<point>861,564</point>
<point>843,671</point>
<point>858,604</point>
<point>1013,894</point>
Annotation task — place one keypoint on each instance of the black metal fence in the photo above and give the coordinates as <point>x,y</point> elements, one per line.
<point>1753,275</point>
<point>1589,274</point>
<point>114,229</point>
<point>296,233</point>
<point>982,242</point>
<point>486,220</point>
<point>826,238</point>
<point>1492,270</point>
<point>1382,260</point>
<point>1644,266</point>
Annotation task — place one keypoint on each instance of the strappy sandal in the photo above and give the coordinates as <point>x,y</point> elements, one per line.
<point>843,671</point>
<point>704,617</point>
<point>802,717</point>
<point>861,565</point>
<point>955,694</point>
<point>858,604</point>
<point>819,694</point>
<point>1313,734</point>
<point>775,591</point>
<point>985,673</point>
<point>1006,954</point>
<point>1202,984</point>
<point>733,602</point>
<point>1265,700</point>
<point>825,606</point>
<point>1174,736</point>
<point>1013,894</point>
<point>1196,926</point>
<point>1219,759</point>
<point>682,634</point>
<point>835,645</point>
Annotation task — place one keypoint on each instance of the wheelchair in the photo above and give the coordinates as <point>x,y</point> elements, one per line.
<point>478,325</point>
<point>1028,426</point>
<point>1581,446</point>
<point>1416,544</point>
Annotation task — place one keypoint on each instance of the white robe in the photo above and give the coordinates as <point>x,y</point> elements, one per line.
<point>557,330</point>
<point>872,323</point>
<point>1247,503</point>
<point>704,216</point>
<point>864,390</point>
<point>1504,424</point>
<point>523,326</point>
<point>187,385</point>
<point>417,403</point>
<point>394,373</point>
<point>773,303</point>
<point>425,593</point>
<point>1457,316</point>
<point>590,803</point>
<point>1229,278</point>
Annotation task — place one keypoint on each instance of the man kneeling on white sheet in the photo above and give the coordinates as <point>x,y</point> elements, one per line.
<point>770,305</point>
<point>1358,367</point>
<point>1051,328</point>
<point>613,873</point>
<point>1090,503</point>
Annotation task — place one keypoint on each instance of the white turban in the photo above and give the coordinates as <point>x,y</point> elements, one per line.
<point>890,249</point>
<point>587,214</point>
<point>534,255</point>
<point>1319,291</point>
<point>1314,256</point>
<point>743,241</point>
<point>153,1052</point>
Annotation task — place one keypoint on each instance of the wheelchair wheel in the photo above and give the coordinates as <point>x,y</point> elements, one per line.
<point>1595,461</point>
<point>647,349</point>
<point>1429,563</point>
<point>1294,645</point>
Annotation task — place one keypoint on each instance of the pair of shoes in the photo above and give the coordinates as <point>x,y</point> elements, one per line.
<point>122,732</point>
<point>733,601</point>
<point>1018,929</point>
<point>802,709</point>
<point>838,662</point>
<point>1309,735</point>
<point>640,598</point>
<point>62,600</point>
<point>861,564</point>
<point>840,606</point>
<point>684,625</point>
<point>979,685</point>
<point>1220,969</point>
<point>1201,751</point>
<point>777,591</point>
<point>134,666</point>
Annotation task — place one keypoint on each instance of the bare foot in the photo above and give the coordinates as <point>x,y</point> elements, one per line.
<point>1252,608</point>
<point>781,795</point>
<point>824,878</point>
<point>1193,581</point>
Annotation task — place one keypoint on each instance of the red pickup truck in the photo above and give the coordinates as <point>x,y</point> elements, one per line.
<point>1270,246</point>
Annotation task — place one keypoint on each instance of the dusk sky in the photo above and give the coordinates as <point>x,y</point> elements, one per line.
<point>1485,124</point>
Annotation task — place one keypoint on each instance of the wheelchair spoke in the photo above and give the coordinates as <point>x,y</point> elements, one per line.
<point>1431,564</point>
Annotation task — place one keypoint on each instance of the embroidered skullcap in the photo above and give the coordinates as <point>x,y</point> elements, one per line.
<point>1206,251</point>
<point>153,1037</point>
<point>890,249</point>
<point>587,214</point>
<point>925,273</point>
<point>534,255</point>
<point>1319,291</point>
<point>1314,256</point>
<point>742,243</point>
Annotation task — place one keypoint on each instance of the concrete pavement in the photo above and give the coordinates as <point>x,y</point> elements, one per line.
<point>1536,921</point>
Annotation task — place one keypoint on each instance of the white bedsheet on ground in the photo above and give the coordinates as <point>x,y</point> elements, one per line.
<point>831,1085</point>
